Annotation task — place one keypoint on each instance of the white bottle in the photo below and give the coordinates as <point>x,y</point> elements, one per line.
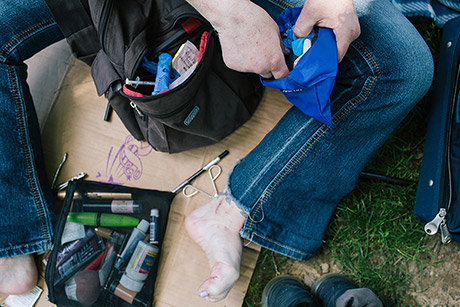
<point>139,266</point>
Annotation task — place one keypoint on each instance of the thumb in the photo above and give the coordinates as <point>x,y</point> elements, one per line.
<point>304,24</point>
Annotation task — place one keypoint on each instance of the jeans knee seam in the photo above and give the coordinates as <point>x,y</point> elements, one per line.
<point>370,60</point>
<point>23,34</point>
<point>27,153</point>
<point>368,57</point>
<point>286,171</point>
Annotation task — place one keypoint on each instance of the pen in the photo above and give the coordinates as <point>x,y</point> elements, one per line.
<point>199,172</point>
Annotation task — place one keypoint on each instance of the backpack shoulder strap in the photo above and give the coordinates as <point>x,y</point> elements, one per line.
<point>74,20</point>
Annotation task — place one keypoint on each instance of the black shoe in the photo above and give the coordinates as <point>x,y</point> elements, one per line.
<point>329,287</point>
<point>287,291</point>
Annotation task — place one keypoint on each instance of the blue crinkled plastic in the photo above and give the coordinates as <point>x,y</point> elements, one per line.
<point>309,84</point>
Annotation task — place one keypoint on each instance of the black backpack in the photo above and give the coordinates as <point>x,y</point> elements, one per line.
<point>114,36</point>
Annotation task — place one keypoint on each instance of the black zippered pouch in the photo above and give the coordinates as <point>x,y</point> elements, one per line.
<point>67,284</point>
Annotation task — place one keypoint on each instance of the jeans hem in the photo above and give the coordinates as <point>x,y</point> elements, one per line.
<point>277,247</point>
<point>24,249</point>
<point>229,191</point>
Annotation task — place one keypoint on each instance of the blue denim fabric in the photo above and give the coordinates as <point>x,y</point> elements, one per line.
<point>290,184</point>
<point>26,204</point>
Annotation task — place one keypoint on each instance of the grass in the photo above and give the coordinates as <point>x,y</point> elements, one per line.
<point>374,235</point>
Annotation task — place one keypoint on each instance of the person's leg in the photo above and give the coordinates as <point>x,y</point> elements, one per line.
<point>290,184</point>
<point>26,205</point>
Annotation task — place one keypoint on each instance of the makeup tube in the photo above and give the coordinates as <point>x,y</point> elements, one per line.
<point>111,206</point>
<point>71,248</point>
<point>137,234</point>
<point>112,247</point>
<point>102,219</point>
<point>154,226</point>
<point>79,260</point>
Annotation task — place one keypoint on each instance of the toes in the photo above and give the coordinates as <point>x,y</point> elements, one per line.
<point>218,285</point>
<point>213,289</point>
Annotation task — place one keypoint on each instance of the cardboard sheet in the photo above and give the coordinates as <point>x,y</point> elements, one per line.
<point>76,126</point>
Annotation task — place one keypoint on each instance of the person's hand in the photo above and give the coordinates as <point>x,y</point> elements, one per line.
<point>338,15</point>
<point>249,37</point>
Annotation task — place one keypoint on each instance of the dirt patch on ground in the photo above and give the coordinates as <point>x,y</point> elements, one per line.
<point>435,285</point>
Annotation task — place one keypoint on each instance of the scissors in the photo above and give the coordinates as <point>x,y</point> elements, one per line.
<point>214,172</point>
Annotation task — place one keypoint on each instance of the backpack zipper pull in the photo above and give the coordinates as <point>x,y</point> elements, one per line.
<point>432,227</point>
<point>134,106</point>
<point>446,237</point>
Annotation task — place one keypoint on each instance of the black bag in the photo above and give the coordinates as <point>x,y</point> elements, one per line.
<point>147,200</point>
<point>114,36</point>
<point>438,191</point>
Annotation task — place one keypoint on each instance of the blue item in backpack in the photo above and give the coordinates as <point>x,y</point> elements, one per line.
<point>309,84</point>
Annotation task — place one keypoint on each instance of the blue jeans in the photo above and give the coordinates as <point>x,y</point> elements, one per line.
<point>290,184</point>
<point>26,203</point>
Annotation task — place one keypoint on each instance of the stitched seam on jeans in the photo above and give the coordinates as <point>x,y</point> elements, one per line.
<point>285,173</point>
<point>379,74</point>
<point>369,55</point>
<point>318,137</point>
<point>287,4</point>
<point>283,246</point>
<point>23,246</point>
<point>24,148</point>
<point>23,33</point>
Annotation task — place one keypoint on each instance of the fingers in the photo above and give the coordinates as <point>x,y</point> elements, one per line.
<point>345,38</point>
<point>342,47</point>
<point>276,67</point>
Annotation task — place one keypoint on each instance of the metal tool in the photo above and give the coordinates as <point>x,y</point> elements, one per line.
<point>212,176</point>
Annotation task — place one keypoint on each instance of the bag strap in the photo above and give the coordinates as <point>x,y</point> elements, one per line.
<point>74,20</point>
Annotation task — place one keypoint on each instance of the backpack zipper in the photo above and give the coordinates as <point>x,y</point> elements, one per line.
<point>183,106</point>
<point>106,9</point>
<point>144,51</point>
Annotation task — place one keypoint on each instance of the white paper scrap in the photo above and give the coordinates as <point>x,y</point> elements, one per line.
<point>24,300</point>
<point>72,231</point>
<point>186,57</point>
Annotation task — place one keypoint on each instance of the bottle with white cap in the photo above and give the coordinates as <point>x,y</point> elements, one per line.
<point>139,266</point>
<point>138,234</point>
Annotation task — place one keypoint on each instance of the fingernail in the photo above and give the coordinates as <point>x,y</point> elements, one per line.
<point>204,294</point>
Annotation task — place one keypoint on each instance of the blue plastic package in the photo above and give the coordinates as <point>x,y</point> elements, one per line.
<point>162,78</point>
<point>309,84</point>
<point>152,67</point>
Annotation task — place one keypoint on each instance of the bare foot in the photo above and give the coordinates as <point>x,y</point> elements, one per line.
<point>18,275</point>
<point>215,228</point>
